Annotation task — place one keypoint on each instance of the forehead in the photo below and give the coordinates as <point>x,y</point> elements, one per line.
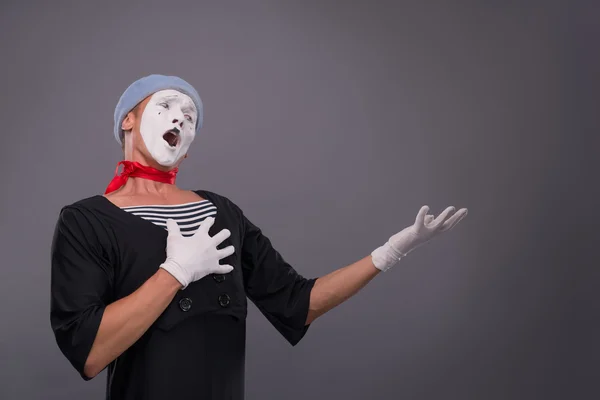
<point>171,95</point>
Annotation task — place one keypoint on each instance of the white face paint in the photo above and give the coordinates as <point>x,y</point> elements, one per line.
<point>168,126</point>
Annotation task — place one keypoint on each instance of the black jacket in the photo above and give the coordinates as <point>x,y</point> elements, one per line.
<point>195,349</point>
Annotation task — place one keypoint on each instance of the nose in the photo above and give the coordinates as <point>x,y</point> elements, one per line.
<point>178,116</point>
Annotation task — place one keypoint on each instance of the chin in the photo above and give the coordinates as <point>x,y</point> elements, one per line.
<point>169,164</point>
<point>168,157</point>
<point>166,161</point>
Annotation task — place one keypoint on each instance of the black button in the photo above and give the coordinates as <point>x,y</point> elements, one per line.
<point>185,304</point>
<point>219,277</point>
<point>224,300</point>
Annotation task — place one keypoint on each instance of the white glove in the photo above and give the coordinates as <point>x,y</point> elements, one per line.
<point>423,230</point>
<point>192,258</point>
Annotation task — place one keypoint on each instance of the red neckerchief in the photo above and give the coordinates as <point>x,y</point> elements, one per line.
<point>136,170</point>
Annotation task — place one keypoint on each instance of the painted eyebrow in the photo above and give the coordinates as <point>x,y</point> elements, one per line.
<point>187,107</point>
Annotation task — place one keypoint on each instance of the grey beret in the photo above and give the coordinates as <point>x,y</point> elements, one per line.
<point>146,86</point>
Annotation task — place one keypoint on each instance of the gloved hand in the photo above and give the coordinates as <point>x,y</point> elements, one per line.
<point>424,229</point>
<point>192,258</point>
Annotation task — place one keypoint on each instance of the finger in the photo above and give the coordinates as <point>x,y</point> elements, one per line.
<point>420,220</point>
<point>220,237</point>
<point>206,224</point>
<point>437,223</point>
<point>222,269</point>
<point>454,220</point>
<point>451,222</point>
<point>173,227</point>
<point>226,252</point>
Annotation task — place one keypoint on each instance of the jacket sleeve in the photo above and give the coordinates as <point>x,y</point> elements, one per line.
<point>80,286</point>
<point>280,293</point>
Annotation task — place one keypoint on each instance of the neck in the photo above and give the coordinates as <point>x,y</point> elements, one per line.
<point>140,186</point>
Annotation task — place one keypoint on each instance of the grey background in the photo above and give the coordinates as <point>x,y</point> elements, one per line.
<point>330,124</point>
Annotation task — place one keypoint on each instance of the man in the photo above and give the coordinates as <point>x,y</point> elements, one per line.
<point>151,280</point>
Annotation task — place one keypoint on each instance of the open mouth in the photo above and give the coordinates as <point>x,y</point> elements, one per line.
<point>172,137</point>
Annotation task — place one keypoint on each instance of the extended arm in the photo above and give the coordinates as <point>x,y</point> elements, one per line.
<point>338,286</point>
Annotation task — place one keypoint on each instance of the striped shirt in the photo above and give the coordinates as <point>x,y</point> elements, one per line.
<point>188,216</point>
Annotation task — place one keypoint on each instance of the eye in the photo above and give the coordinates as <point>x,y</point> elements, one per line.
<point>188,117</point>
<point>164,105</point>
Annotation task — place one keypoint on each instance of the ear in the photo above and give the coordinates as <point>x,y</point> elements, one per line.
<point>128,122</point>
